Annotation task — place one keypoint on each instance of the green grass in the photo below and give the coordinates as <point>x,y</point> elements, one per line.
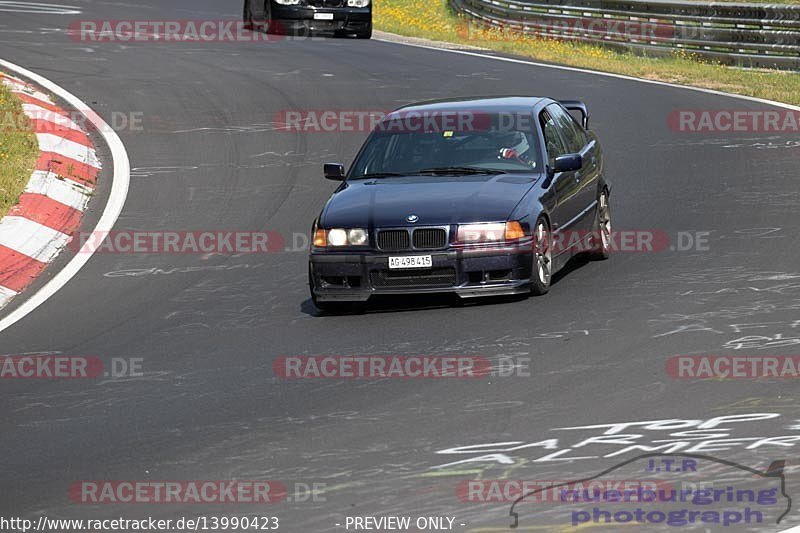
<point>18,149</point>
<point>433,19</point>
<point>756,1</point>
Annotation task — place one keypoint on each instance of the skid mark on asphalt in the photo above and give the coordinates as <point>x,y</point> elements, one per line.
<point>40,31</point>
<point>787,404</point>
<point>166,270</point>
<point>293,160</point>
<point>250,128</point>
<point>38,8</point>
<point>763,141</point>
<point>216,52</point>
<point>146,172</point>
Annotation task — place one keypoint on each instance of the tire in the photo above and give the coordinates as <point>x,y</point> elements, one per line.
<point>601,231</point>
<point>366,34</point>
<point>247,15</point>
<point>266,24</point>
<point>542,264</point>
<point>269,25</point>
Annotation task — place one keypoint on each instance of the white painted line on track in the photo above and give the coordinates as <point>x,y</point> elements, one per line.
<point>24,88</point>
<point>69,149</point>
<point>35,112</point>
<point>63,191</point>
<point>116,199</point>
<point>31,238</point>
<point>6,295</point>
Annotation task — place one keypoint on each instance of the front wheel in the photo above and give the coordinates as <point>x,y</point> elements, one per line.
<point>542,269</point>
<point>263,22</point>
<point>247,16</point>
<point>365,34</point>
<point>601,234</point>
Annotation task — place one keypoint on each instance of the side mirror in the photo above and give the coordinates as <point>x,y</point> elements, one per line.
<point>334,171</point>
<point>568,163</point>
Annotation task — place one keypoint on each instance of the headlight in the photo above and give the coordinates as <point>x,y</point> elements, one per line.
<point>357,3</point>
<point>341,237</point>
<point>337,237</point>
<point>288,2</point>
<point>489,233</point>
<point>357,237</point>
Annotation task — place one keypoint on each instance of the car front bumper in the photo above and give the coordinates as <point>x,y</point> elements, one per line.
<point>467,272</point>
<point>350,19</point>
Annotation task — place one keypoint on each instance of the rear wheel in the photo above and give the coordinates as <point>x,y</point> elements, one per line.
<point>601,234</point>
<point>542,269</point>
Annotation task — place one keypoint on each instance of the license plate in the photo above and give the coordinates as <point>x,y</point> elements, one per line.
<point>411,261</point>
<point>323,16</point>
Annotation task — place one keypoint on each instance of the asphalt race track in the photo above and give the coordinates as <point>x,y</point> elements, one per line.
<point>208,405</point>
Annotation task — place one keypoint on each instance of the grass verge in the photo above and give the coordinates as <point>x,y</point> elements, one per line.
<point>18,149</point>
<point>433,19</point>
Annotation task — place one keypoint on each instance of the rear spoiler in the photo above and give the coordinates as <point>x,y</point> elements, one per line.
<point>577,105</point>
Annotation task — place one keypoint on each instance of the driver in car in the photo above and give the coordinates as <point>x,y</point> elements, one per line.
<point>515,146</point>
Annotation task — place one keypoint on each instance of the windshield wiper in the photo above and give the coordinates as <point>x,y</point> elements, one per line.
<point>436,170</point>
<point>460,170</point>
<point>378,175</point>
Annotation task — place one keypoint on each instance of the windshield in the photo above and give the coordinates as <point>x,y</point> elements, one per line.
<point>493,148</point>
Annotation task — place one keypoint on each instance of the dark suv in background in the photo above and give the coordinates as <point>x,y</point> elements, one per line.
<point>343,17</point>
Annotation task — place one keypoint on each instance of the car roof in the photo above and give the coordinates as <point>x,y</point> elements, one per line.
<point>488,104</point>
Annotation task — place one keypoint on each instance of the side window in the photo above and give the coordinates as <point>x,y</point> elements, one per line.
<point>553,143</point>
<point>573,134</point>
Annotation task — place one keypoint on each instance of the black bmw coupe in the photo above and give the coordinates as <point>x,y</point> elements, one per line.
<point>475,197</point>
<point>342,17</point>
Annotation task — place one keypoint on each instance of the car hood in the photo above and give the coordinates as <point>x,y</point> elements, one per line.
<point>436,200</point>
